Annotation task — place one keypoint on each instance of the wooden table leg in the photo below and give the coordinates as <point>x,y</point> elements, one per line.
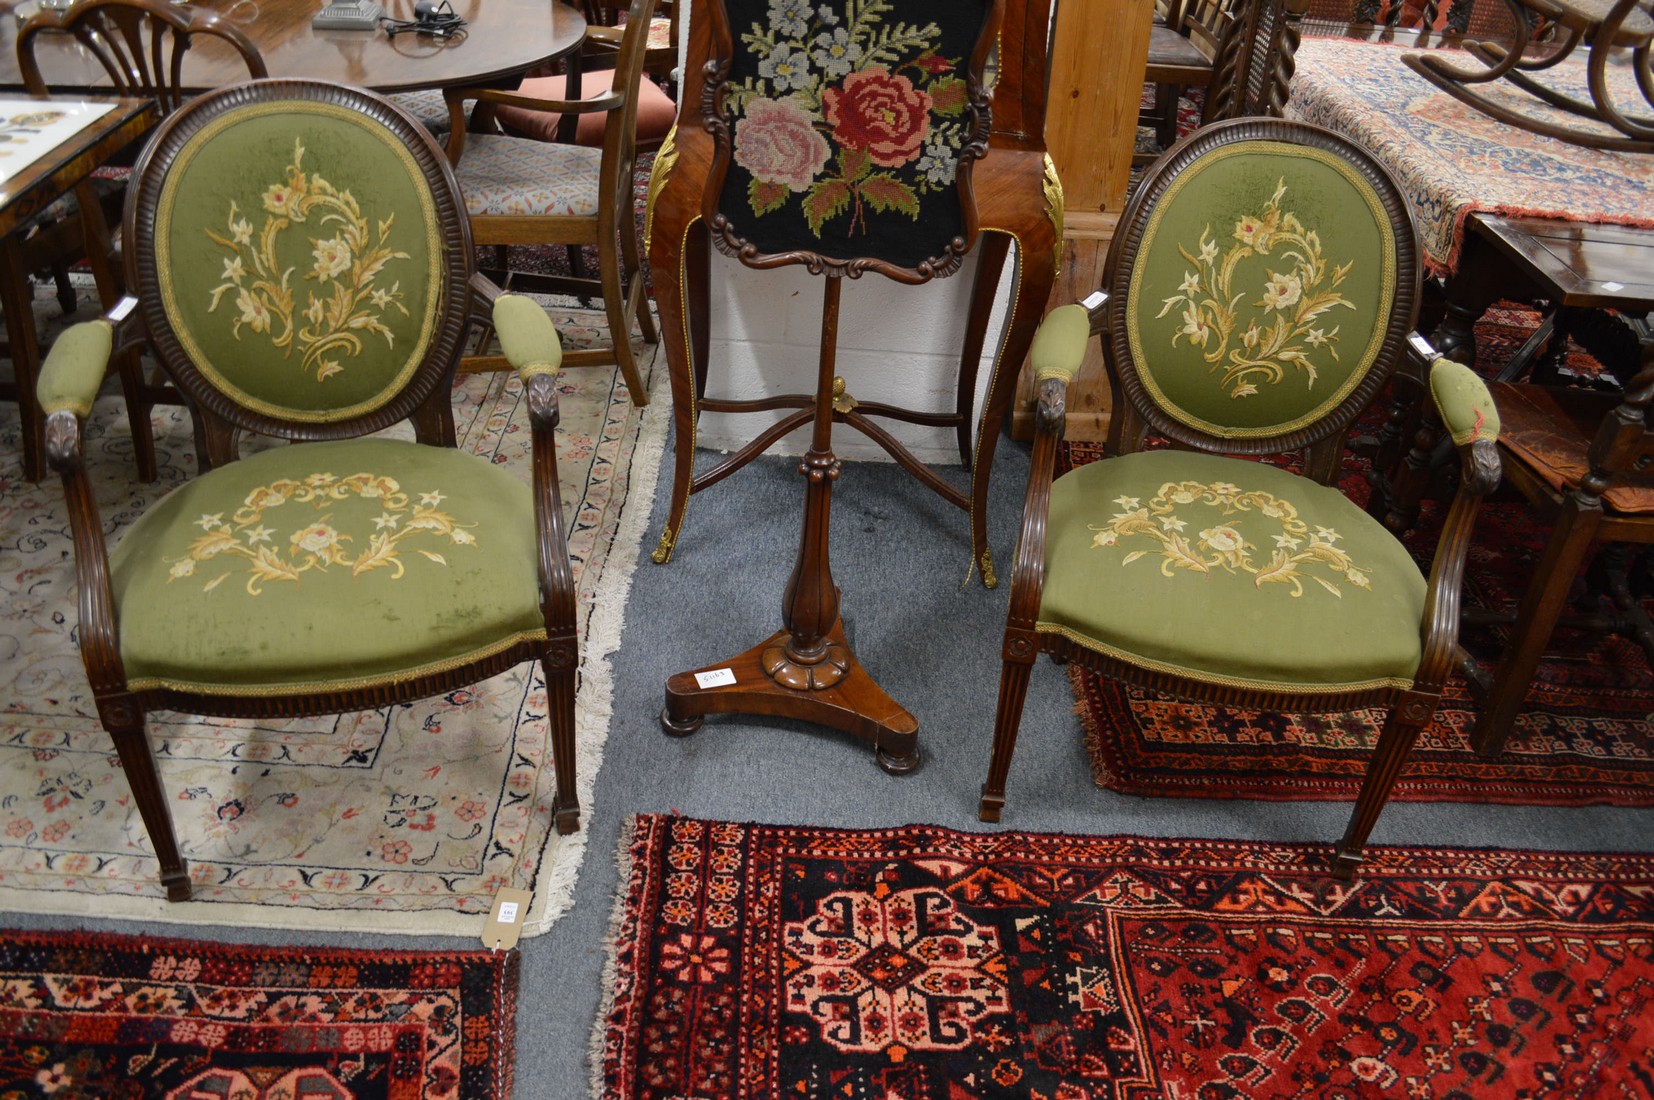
<point>17,302</point>
<point>806,670</point>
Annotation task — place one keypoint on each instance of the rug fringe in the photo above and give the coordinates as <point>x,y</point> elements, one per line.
<point>594,699</point>
<point>611,962</point>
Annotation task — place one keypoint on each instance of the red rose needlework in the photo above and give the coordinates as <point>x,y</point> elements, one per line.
<point>921,963</point>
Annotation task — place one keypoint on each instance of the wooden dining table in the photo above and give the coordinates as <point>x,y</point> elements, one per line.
<point>502,40</point>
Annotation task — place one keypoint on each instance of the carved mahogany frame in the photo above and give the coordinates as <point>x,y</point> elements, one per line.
<point>425,400</point>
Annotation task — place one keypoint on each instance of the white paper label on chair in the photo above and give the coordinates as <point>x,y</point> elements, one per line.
<point>1094,299</point>
<point>1613,286</point>
<point>718,677</point>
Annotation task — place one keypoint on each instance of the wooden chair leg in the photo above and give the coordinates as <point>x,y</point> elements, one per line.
<point>1541,605</point>
<point>631,267</point>
<point>138,762</point>
<point>559,669</point>
<point>1021,647</point>
<point>131,372</point>
<point>1407,717</point>
<point>620,325</point>
<point>676,294</point>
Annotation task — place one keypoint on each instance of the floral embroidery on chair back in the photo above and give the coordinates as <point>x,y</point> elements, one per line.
<point>1265,289</point>
<point>296,257</point>
<point>847,128</point>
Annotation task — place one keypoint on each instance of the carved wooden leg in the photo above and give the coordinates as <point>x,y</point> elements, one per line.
<point>1407,717</point>
<point>1035,271</point>
<point>991,250</point>
<point>126,728</point>
<point>632,268</point>
<point>1542,603</point>
<point>1021,647</point>
<point>17,301</point>
<point>680,294</point>
<point>559,668</point>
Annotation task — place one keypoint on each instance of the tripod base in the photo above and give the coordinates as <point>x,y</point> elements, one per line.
<point>852,702</point>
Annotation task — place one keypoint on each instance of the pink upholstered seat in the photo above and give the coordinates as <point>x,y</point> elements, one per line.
<point>655,110</point>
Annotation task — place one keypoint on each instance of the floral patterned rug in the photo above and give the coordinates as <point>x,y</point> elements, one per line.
<point>417,814</point>
<point>125,1017</point>
<point>928,964</point>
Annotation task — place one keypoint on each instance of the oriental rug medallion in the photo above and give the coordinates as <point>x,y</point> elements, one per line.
<point>757,962</point>
<point>416,813</point>
<point>87,1015</point>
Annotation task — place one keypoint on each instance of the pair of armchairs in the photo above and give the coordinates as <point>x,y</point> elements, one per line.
<point>300,262</point>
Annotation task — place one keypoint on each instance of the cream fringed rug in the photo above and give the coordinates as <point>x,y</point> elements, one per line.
<point>403,820</point>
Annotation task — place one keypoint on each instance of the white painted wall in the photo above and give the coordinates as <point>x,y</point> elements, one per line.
<point>897,344</point>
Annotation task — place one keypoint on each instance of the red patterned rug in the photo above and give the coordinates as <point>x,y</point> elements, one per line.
<point>1584,738</point>
<point>920,963</point>
<point>86,1016</point>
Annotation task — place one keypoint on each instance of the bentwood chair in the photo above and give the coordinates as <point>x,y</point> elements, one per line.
<point>526,192</point>
<point>1014,198</point>
<point>300,262</point>
<point>1258,293</point>
<point>141,45</point>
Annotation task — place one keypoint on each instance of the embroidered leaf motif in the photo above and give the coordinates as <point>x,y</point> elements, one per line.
<point>1225,544</point>
<point>885,192</point>
<point>765,197</point>
<point>827,199</point>
<point>856,163</point>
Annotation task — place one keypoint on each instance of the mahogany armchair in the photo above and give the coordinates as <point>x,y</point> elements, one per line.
<point>1258,294</point>
<point>300,262</point>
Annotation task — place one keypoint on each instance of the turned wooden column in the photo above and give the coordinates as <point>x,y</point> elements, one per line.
<point>1099,51</point>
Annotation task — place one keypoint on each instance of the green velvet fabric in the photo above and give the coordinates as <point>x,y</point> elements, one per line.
<point>1233,572</point>
<point>74,368</point>
<point>299,259</point>
<point>324,564</point>
<point>1059,345</point>
<point>1262,289</point>
<point>1465,404</point>
<point>527,336</point>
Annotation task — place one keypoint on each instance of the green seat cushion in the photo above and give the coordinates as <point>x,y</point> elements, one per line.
<point>1231,572</point>
<point>321,565</point>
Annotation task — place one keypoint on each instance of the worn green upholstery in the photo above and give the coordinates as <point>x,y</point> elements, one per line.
<point>73,371</point>
<point>1262,289</point>
<point>299,260</point>
<point>527,336</point>
<point>1059,345</point>
<point>1229,572</point>
<point>1464,402</point>
<point>357,561</point>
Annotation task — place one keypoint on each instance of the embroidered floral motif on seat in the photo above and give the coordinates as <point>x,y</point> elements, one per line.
<point>316,544</point>
<point>1224,545</point>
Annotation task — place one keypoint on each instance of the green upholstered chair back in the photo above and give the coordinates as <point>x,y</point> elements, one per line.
<point>1262,287</point>
<point>846,131</point>
<point>302,257</point>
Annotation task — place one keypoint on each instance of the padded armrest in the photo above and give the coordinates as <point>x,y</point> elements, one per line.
<point>74,368</point>
<point>527,336</point>
<point>1059,345</point>
<point>1466,406</point>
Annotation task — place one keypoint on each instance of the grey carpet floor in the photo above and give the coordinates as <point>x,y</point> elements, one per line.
<point>899,555</point>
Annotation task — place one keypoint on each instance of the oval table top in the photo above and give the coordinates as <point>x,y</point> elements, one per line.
<point>503,39</point>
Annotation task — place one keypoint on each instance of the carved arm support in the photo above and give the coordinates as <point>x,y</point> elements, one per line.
<point>458,122</point>
<point>1056,354</point>
<point>1472,420</point>
<point>69,382</point>
<point>529,341</point>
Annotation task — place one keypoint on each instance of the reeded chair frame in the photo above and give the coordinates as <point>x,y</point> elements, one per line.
<point>425,401</point>
<point>1321,444</point>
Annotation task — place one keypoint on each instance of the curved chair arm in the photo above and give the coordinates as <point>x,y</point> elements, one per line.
<point>68,383</point>
<point>1056,354</point>
<point>529,340</point>
<point>1468,411</point>
<point>458,121</point>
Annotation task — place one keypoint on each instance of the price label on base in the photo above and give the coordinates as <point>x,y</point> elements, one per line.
<point>718,677</point>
